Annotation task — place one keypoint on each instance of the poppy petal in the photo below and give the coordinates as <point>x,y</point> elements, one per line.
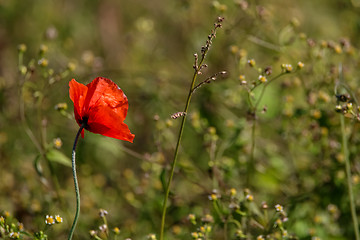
<point>78,94</point>
<point>119,131</point>
<point>105,121</point>
<point>105,93</point>
<point>103,106</point>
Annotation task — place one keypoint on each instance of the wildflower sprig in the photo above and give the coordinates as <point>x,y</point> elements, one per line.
<point>346,103</point>
<point>235,212</point>
<point>11,228</point>
<point>203,227</point>
<point>345,151</point>
<point>210,79</point>
<point>38,67</point>
<point>103,231</point>
<point>263,80</point>
<point>198,66</point>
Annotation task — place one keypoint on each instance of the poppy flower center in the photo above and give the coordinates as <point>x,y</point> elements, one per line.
<point>84,121</point>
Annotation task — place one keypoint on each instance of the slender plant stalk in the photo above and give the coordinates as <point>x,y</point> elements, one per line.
<point>250,164</point>
<point>348,177</point>
<point>77,192</point>
<point>197,67</point>
<point>176,154</point>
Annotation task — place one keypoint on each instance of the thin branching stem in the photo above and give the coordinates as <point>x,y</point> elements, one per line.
<point>264,88</point>
<point>198,65</point>
<point>254,107</point>
<point>167,191</point>
<point>345,151</point>
<point>77,192</point>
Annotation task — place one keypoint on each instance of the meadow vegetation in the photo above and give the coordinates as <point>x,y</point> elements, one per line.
<point>268,144</point>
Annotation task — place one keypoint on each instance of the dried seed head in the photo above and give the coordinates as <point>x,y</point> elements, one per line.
<point>343,97</point>
<point>268,70</point>
<point>178,114</point>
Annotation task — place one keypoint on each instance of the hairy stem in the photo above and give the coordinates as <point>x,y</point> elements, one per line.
<point>77,192</point>
<point>348,177</point>
<point>167,191</point>
<point>197,67</point>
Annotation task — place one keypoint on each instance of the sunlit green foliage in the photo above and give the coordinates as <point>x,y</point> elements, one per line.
<point>261,154</point>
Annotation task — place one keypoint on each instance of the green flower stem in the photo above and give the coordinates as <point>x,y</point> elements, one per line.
<point>167,191</point>
<point>250,163</point>
<point>263,90</point>
<point>77,192</point>
<point>254,106</point>
<point>348,177</point>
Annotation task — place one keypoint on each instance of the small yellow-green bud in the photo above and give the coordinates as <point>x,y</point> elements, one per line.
<point>234,49</point>
<point>191,217</point>
<point>262,79</point>
<point>194,235</point>
<point>249,197</point>
<point>242,53</point>
<point>295,22</point>
<point>43,49</point>
<point>302,36</point>
<point>349,106</point>
<point>20,226</point>
<point>239,233</point>
<point>213,197</point>
<point>287,67</point>
<point>116,230</point>
<point>14,235</point>
<point>338,49</point>
<point>338,108</point>
<point>232,192</point>
<point>71,66</point>
<point>22,48</point>
<point>61,106</point>
<point>169,123</point>
<point>316,114</point>
<point>251,63</point>
<point>43,62</point>
<point>207,219</point>
<point>212,130</point>
<point>23,70</point>
<point>260,237</point>
<point>151,236</point>
<point>300,65</point>
<point>92,233</point>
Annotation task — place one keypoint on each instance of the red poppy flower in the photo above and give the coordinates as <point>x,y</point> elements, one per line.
<point>102,107</point>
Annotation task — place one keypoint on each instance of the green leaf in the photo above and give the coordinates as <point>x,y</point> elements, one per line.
<point>57,156</point>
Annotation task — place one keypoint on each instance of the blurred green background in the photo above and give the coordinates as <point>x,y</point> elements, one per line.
<point>147,48</point>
